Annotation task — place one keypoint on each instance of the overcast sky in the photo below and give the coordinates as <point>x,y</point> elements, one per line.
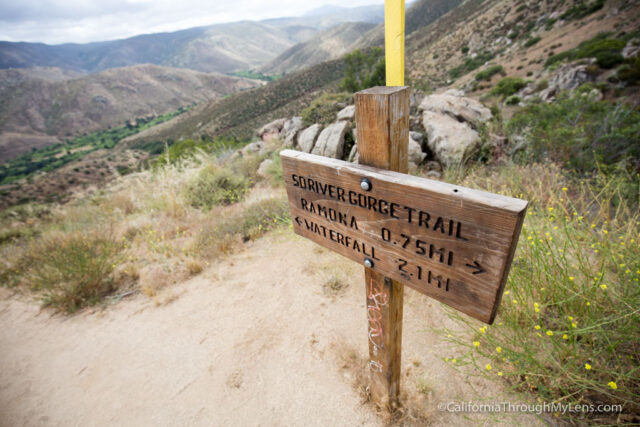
<point>81,21</point>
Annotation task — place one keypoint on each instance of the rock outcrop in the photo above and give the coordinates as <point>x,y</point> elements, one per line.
<point>347,113</point>
<point>307,138</point>
<point>451,121</point>
<point>330,143</point>
<point>631,49</point>
<point>272,130</point>
<point>567,77</point>
<point>450,141</point>
<point>416,156</point>
<point>290,130</point>
<point>455,104</point>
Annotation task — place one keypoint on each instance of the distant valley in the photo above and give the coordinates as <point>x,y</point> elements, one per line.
<point>39,107</point>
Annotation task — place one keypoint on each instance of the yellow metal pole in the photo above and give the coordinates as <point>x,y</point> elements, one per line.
<point>394,41</point>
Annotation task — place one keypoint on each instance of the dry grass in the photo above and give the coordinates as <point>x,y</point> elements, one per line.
<point>155,237</point>
<point>415,406</point>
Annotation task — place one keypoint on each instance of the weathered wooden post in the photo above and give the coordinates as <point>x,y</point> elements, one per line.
<point>451,243</point>
<point>382,119</point>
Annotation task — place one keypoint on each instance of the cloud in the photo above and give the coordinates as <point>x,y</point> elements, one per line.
<point>81,21</point>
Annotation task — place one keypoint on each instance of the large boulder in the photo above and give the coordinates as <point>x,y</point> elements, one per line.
<point>567,77</point>
<point>450,140</point>
<point>290,130</point>
<point>330,143</point>
<point>272,130</point>
<point>252,148</point>
<point>453,103</point>
<point>347,113</point>
<point>307,138</point>
<point>416,156</point>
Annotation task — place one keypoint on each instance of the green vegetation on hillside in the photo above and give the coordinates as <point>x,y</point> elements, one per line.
<point>583,9</point>
<point>490,72</point>
<point>580,133</point>
<point>606,50</point>
<point>256,75</point>
<point>470,64</point>
<point>363,70</point>
<point>74,257</point>
<point>323,109</point>
<point>567,328</point>
<point>508,86</point>
<point>55,156</point>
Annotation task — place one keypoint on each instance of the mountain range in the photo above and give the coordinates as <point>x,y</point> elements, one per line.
<point>220,48</point>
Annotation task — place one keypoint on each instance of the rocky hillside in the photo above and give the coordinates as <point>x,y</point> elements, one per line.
<point>43,106</point>
<point>419,14</point>
<point>330,44</point>
<point>238,116</point>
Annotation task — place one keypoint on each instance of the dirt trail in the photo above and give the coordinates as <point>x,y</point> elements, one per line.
<point>259,339</point>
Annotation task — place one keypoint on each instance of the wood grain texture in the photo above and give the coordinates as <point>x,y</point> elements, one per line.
<point>382,118</point>
<point>452,243</point>
<point>384,317</point>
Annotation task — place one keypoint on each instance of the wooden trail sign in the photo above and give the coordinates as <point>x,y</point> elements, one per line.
<point>451,243</point>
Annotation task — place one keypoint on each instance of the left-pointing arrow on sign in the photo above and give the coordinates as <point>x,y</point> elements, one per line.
<point>477,267</point>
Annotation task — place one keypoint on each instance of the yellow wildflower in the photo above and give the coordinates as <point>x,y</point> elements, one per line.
<point>476,343</point>
<point>565,337</point>
<point>613,385</point>
<point>500,373</point>
<point>537,327</point>
<point>499,349</point>
<point>603,286</point>
<point>488,367</point>
<point>587,366</point>
<point>550,333</point>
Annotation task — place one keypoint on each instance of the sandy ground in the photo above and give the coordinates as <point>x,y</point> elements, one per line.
<point>259,339</point>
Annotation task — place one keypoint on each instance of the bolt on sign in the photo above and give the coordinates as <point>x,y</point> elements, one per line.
<point>452,243</point>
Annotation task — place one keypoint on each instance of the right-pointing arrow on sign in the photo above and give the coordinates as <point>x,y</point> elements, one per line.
<point>477,267</point>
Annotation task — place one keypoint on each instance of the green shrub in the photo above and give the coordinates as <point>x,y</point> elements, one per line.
<point>363,70</point>
<point>75,270</point>
<point>257,219</point>
<point>630,72</point>
<point>606,51</point>
<point>583,9</point>
<point>471,64</point>
<point>580,133</point>
<point>558,57</point>
<point>508,86</point>
<point>532,41</point>
<point>464,50</point>
<point>567,328</point>
<point>215,186</point>
<point>513,100</point>
<point>324,108</point>
<point>490,72</point>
